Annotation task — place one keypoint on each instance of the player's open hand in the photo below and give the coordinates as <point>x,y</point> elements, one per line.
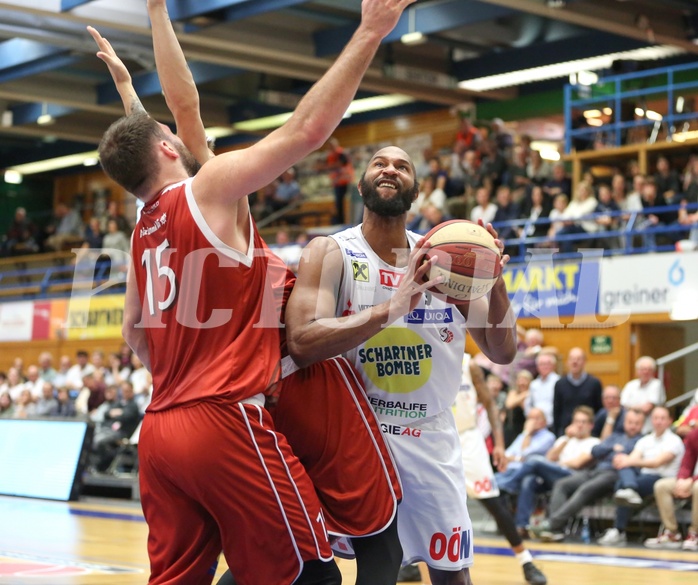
<point>107,54</point>
<point>414,283</point>
<point>381,16</point>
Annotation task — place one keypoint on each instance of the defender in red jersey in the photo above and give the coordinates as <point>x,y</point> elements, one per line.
<point>212,467</point>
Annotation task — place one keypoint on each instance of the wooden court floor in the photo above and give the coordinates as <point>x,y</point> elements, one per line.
<point>102,542</point>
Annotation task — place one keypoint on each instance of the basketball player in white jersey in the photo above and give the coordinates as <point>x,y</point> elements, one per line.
<point>361,293</point>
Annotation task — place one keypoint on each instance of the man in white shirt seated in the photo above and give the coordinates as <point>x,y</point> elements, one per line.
<point>644,392</point>
<point>542,389</point>
<point>570,452</point>
<point>654,457</point>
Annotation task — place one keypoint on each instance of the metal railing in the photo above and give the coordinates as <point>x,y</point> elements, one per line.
<point>665,84</point>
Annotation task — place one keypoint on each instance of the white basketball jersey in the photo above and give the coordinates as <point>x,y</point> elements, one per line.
<point>411,369</point>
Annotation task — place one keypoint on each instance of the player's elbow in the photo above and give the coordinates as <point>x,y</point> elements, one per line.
<point>300,353</point>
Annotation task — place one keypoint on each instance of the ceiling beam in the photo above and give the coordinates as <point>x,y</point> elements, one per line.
<point>19,52</point>
<point>234,9</point>
<point>427,19</point>
<point>569,49</point>
<point>29,113</point>
<point>70,4</point>
<point>607,17</point>
<point>47,64</point>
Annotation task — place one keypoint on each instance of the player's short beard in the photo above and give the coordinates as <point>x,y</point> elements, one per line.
<point>191,165</point>
<point>393,207</point>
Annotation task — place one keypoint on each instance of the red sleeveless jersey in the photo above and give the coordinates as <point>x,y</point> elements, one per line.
<point>211,313</point>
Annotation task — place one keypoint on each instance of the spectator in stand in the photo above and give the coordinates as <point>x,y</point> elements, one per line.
<point>534,208</point>
<point>117,372</point>
<point>92,393</point>
<point>538,170</point>
<point>21,236</point>
<point>493,165</point>
<point>47,403</point>
<point>15,383</point>
<point>341,172</point>
<point>65,229</point>
<point>515,416</point>
<point>502,137</point>
<point>527,351</point>
<point>571,494</point>
<point>655,456</point>
<point>681,487</point>
<point>666,179</point>
<point>3,382</point>
<point>560,203</point>
<point>485,210</point>
<point>122,224</point>
<point>76,373</point>
<point>687,219</point>
<point>646,391</point>
<point>468,137</point>
<point>582,205</point>
<point>66,405</point>
<point>633,200</point>
<point>288,190</point>
<point>507,210</point>
<point>430,217</point>
<point>690,181</point>
<point>534,439</point>
<point>117,244</point>
<point>46,371</point>
<point>7,408</point>
<point>542,389</point>
<point>34,383</point>
<point>516,175</point>
<point>649,221</point>
<point>619,190</point>
<point>61,377</point>
<point>25,407</point>
<point>429,195</point>
<point>94,236</point>
<point>496,387</point>
<point>570,452</point>
<point>605,207</point>
<point>97,361</point>
<point>577,388</point>
<point>610,418</point>
<point>558,183</point>
<point>472,178</point>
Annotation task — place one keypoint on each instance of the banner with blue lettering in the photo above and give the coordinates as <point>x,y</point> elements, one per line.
<point>547,288</point>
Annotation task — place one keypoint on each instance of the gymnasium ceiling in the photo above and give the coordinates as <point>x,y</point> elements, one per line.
<point>254,58</point>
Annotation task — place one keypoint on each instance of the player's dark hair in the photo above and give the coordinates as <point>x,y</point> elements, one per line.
<point>126,151</point>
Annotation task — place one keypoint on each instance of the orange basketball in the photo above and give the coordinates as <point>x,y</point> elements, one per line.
<point>467,257</point>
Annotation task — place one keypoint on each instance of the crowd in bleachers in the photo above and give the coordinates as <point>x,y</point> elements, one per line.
<point>65,230</point>
<point>580,443</point>
<point>493,175</point>
<point>112,392</point>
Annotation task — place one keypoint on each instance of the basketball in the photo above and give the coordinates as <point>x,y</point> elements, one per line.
<point>467,257</point>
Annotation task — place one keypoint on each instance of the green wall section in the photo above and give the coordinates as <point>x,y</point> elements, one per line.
<point>36,196</point>
<point>523,107</point>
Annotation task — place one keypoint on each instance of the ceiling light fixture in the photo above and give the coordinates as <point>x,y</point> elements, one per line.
<point>45,118</point>
<point>558,70</point>
<point>379,102</point>
<point>52,164</point>
<point>13,177</point>
<point>413,36</point>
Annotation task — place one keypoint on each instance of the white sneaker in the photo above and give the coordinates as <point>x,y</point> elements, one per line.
<point>666,539</point>
<point>627,497</point>
<point>691,541</point>
<point>612,537</point>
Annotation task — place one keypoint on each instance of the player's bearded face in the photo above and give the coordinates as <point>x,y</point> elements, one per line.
<point>393,206</point>
<point>191,165</point>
